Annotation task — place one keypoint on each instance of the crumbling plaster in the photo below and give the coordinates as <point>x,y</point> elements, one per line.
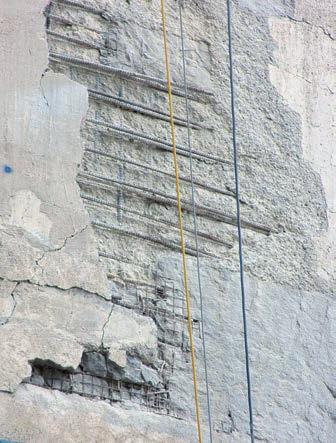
<point>44,227</point>
<point>304,73</point>
<point>292,336</point>
<point>46,238</point>
<point>69,322</point>
<point>54,292</point>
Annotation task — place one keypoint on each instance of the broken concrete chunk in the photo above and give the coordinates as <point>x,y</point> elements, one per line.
<point>150,376</point>
<point>118,356</point>
<point>105,15</point>
<point>35,379</point>
<point>111,42</point>
<point>114,371</point>
<point>131,373</point>
<point>94,363</point>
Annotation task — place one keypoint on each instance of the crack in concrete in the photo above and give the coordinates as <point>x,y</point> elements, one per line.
<point>310,82</point>
<point>331,390</point>
<point>44,253</point>
<point>67,238</point>
<point>42,89</point>
<point>58,287</point>
<point>14,305</point>
<point>306,22</point>
<point>105,324</point>
<point>59,248</point>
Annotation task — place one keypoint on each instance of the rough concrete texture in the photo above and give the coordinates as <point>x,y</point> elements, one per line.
<point>44,227</point>
<point>59,417</point>
<point>66,325</point>
<point>89,259</point>
<point>307,81</point>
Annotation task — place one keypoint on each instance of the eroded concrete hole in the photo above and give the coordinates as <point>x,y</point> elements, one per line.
<point>99,378</point>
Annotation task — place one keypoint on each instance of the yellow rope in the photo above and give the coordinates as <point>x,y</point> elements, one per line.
<point>180,219</point>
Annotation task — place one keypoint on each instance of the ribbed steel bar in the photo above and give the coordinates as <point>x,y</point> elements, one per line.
<point>139,108</point>
<point>68,22</point>
<point>78,5</point>
<point>169,199</point>
<point>160,171</point>
<point>170,244</point>
<point>155,141</point>
<point>154,82</point>
<point>77,41</point>
<point>102,202</point>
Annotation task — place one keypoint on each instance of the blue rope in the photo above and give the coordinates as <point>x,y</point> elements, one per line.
<point>193,203</point>
<point>240,234</point>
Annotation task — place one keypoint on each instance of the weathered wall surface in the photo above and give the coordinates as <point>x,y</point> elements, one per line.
<point>92,318</point>
<point>305,75</point>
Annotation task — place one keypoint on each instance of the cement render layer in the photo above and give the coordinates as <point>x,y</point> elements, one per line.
<point>291,356</point>
<point>55,294</point>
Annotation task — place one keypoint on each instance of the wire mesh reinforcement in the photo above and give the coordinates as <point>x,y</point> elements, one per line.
<point>103,388</point>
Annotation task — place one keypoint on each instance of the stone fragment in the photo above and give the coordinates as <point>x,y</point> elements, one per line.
<point>131,373</point>
<point>150,376</point>
<point>118,356</point>
<point>94,363</point>
<point>114,370</point>
<point>35,379</point>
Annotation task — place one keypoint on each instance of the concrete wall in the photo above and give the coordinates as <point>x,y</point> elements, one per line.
<point>92,317</point>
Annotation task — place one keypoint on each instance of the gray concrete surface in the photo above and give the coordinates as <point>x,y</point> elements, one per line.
<point>80,276</point>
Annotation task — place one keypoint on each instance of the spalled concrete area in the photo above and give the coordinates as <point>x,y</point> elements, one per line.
<point>89,257</point>
<point>291,333</point>
<point>44,227</point>
<point>304,74</point>
<point>69,322</point>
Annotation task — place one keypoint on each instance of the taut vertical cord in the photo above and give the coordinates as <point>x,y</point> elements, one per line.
<point>180,219</point>
<point>195,220</point>
<point>240,234</point>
